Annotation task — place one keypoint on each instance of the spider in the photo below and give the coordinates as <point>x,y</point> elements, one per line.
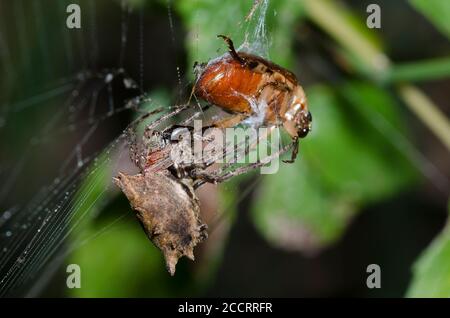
<point>153,152</point>
<point>162,193</point>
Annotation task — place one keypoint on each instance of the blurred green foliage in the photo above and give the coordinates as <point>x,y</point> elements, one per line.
<point>345,163</point>
<point>229,19</point>
<point>110,261</point>
<point>420,70</point>
<point>437,11</point>
<point>432,270</point>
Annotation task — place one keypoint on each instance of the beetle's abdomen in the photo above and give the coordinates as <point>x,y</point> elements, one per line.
<point>229,85</point>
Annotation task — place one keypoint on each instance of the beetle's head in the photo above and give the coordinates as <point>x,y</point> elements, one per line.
<point>298,119</point>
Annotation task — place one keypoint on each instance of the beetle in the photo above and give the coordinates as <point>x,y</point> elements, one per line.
<point>244,84</point>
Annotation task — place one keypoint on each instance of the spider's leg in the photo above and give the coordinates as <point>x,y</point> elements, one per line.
<point>131,131</point>
<point>149,128</point>
<point>227,122</point>
<point>131,134</point>
<point>189,119</point>
<point>133,147</point>
<point>203,176</point>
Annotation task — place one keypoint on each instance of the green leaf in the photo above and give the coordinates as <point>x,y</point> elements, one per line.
<point>294,210</point>
<point>431,273</point>
<point>121,262</point>
<point>352,156</point>
<point>437,11</point>
<point>344,164</point>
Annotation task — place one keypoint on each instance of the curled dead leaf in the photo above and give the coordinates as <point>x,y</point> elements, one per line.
<point>169,212</point>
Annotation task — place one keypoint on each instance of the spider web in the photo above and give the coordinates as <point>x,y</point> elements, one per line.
<point>73,118</point>
<point>66,97</point>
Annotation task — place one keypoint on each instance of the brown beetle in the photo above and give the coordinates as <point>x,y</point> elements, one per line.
<point>245,84</point>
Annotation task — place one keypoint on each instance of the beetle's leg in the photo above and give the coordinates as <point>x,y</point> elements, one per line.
<point>279,85</point>
<point>227,122</point>
<point>231,49</point>
<point>230,121</point>
<point>294,151</point>
<point>282,88</point>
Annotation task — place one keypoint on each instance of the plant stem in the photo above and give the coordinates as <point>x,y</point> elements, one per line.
<point>424,108</point>
<point>334,19</point>
<point>420,71</point>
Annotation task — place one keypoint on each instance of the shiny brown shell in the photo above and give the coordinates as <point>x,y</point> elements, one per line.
<point>231,84</point>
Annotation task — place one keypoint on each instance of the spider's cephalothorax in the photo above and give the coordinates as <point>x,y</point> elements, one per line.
<point>238,81</point>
